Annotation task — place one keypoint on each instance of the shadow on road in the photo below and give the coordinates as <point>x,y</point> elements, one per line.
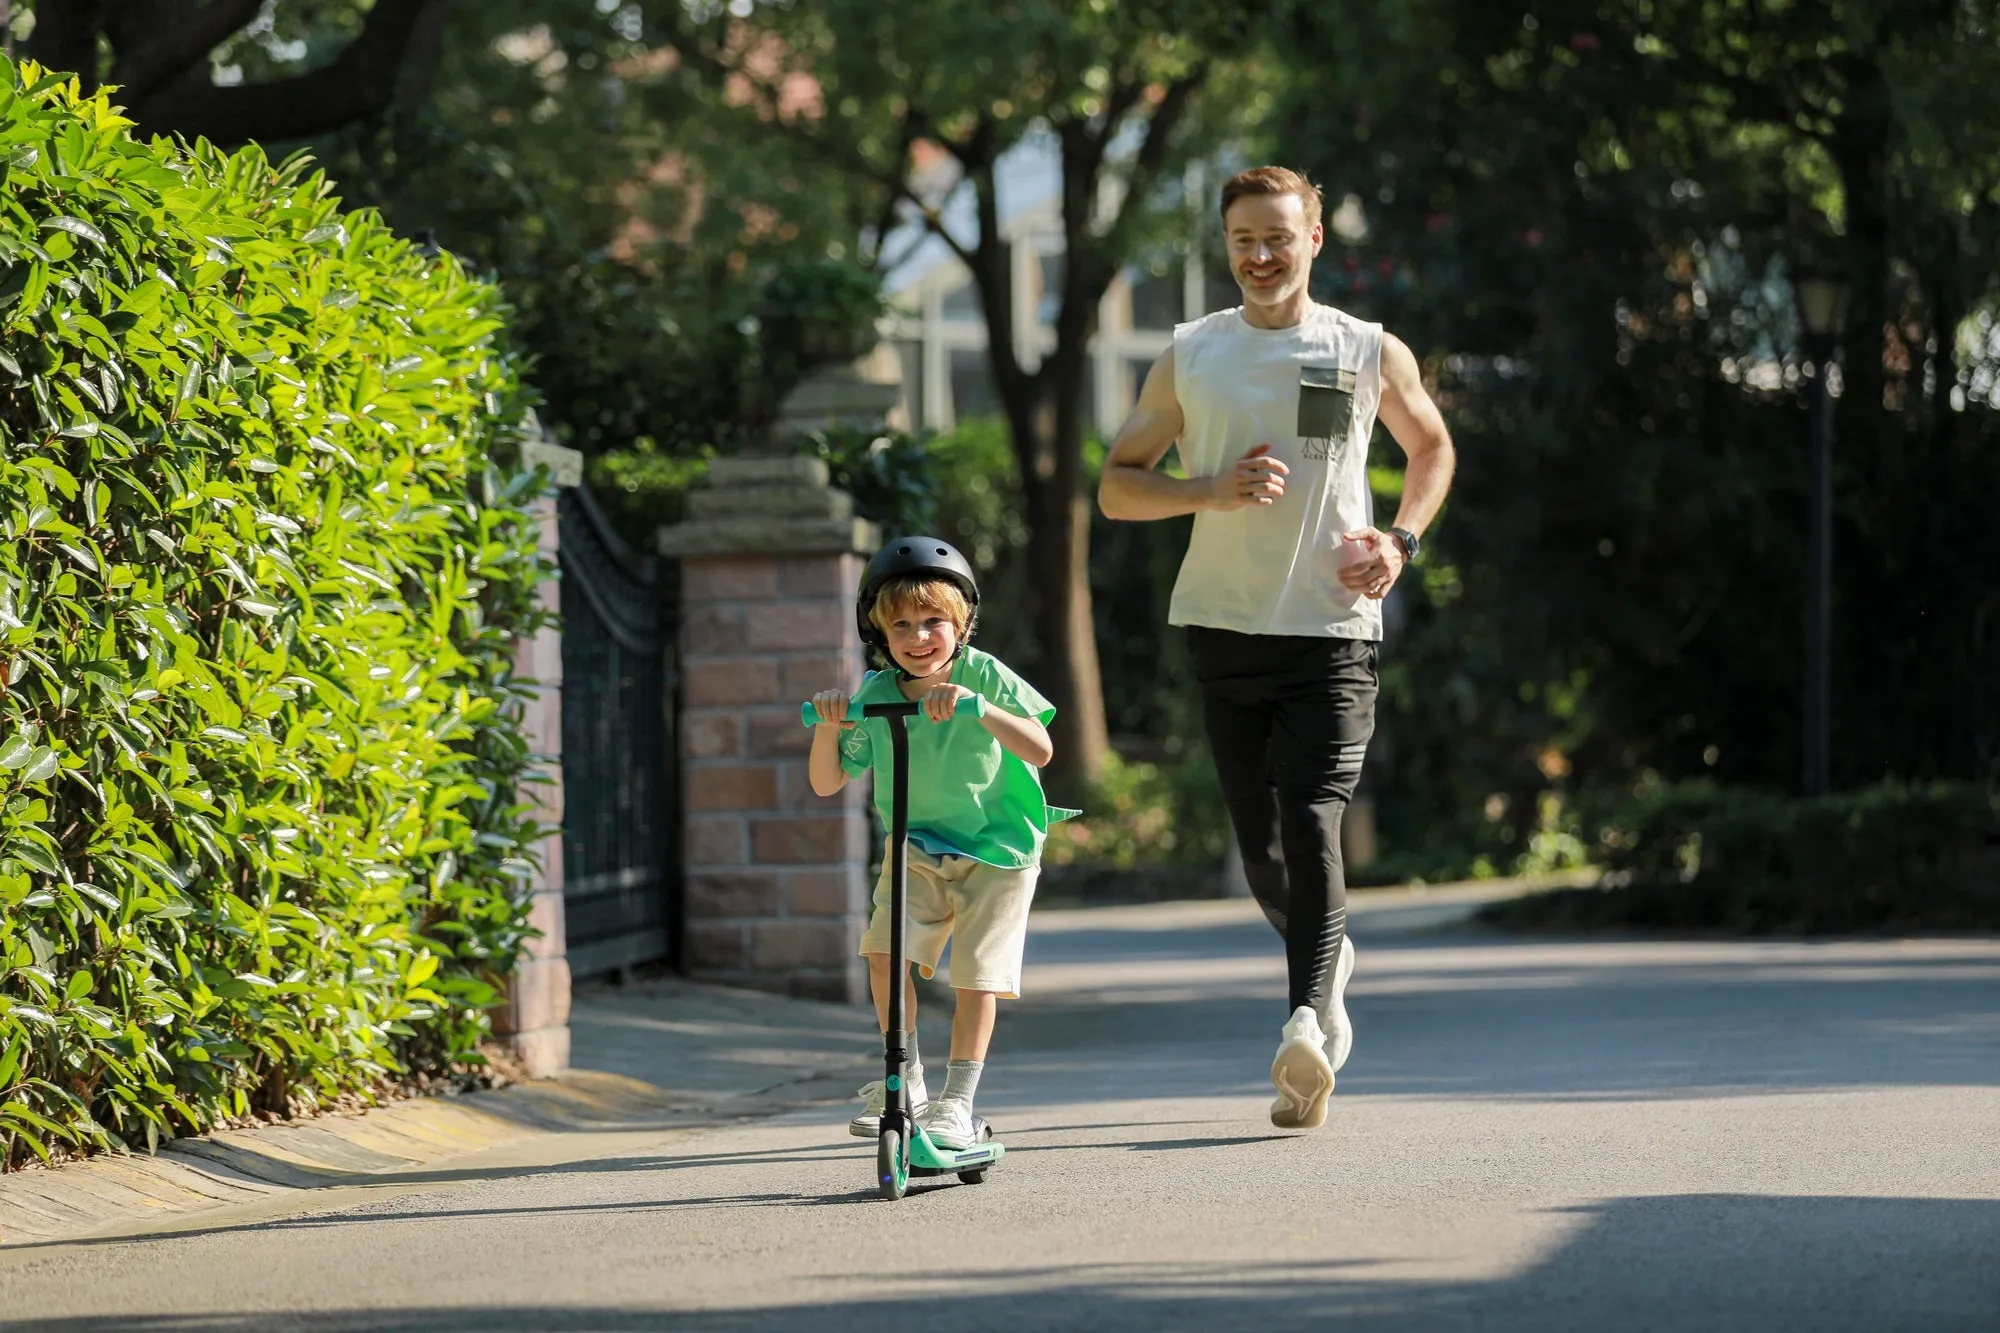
<point>1604,1019</point>
<point>1696,1261</point>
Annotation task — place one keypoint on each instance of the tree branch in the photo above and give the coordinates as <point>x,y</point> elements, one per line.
<point>1124,95</point>
<point>359,83</point>
<point>893,181</point>
<point>886,216</point>
<point>65,38</point>
<point>157,41</point>
<point>989,264</point>
<point>1166,119</point>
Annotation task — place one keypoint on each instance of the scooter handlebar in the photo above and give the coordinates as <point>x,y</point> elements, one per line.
<point>968,705</point>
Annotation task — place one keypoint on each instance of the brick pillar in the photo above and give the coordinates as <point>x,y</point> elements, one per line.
<point>777,878</point>
<point>534,1021</point>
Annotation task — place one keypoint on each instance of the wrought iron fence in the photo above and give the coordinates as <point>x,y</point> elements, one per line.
<point>621,821</point>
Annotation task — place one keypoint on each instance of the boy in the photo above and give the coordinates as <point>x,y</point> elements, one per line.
<point>977,817</point>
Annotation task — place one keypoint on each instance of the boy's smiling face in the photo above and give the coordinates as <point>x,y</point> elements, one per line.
<point>922,639</point>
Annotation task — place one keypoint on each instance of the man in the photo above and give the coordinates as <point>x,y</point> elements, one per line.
<point>1272,405</point>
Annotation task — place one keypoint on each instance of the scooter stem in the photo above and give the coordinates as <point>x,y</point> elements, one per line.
<point>895,1045</point>
<point>895,1051</point>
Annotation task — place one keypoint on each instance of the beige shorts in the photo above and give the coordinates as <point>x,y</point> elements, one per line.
<point>981,909</point>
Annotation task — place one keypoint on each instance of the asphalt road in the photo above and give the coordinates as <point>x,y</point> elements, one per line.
<point>1545,1136</point>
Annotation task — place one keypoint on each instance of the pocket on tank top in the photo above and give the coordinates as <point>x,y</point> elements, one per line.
<point>1326,410</point>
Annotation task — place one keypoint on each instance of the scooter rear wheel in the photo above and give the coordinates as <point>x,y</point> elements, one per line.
<point>892,1167</point>
<point>973,1177</point>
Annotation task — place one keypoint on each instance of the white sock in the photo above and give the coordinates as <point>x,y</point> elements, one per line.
<point>961,1080</point>
<point>915,1063</point>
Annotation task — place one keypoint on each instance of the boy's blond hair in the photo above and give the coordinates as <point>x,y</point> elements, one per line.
<point>926,592</point>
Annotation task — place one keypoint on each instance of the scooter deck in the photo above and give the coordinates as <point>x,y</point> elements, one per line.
<point>932,1159</point>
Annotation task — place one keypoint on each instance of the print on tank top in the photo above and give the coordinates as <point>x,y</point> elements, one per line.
<point>1326,412</point>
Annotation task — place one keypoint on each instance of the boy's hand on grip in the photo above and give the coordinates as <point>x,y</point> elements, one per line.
<point>940,700</point>
<point>831,705</point>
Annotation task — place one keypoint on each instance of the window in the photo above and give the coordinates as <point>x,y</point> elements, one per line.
<point>972,391</point>
<point>961,304</point>
<point>1048,299</point>
<point>910,355</point>
<point>1156,297</point>
<point>1220,288</point>
<point>1140,367</point>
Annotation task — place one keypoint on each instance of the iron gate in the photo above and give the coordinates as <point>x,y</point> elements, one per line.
<point>621,790</point>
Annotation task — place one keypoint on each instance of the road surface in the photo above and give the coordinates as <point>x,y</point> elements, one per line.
<point>1530,1135</point>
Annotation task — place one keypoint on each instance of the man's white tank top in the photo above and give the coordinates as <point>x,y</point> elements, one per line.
<point>1310,392</point>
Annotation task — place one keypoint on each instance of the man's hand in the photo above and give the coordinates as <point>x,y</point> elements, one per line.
<point>831,705</point>
<point>1254,479</point>
<point>1377,573</point>
<point>940,700</point>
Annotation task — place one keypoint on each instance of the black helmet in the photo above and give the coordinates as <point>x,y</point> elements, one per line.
<point>912,555</point>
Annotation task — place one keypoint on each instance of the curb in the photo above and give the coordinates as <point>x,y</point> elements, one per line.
<point>195,1175</point>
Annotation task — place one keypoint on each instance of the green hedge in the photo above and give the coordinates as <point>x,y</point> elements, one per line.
<point>1703,857</point>
<point>259,754</point>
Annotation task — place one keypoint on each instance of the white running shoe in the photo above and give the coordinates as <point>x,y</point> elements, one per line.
<point>1301,1073</point>
<point>869,1123</point>
<point>1333,1020</point>
<point>949,1123</point>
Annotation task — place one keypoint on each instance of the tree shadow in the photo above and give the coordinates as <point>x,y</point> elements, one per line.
<point>1709,1262</point>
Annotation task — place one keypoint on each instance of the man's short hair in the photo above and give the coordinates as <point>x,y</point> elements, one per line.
<point>1273,181</point>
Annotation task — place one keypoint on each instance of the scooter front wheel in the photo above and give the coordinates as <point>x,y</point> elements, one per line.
<point>892,1164</point>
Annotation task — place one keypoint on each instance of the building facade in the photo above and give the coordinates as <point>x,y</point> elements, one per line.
<point>938,332</point>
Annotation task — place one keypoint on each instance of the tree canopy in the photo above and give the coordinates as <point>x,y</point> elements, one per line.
<point>921,113</point>
<point>1588,219</point>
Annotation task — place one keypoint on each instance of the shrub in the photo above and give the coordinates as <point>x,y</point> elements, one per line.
<point>1143,815</point>
<point>892,475</point>
<point>259,827</point>
<point>1699,856</point>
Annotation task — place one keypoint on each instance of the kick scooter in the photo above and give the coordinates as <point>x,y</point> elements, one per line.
<point>902,1149</point>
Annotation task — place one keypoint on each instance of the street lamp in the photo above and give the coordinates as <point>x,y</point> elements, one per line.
<point>1822,302</point>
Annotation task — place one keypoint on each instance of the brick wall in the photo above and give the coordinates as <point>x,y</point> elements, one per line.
<point>777,887</point>
<point>534,1022</point>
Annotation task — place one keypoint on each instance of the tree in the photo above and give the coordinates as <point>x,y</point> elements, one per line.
<point>1586,218</point>
<point>631,224</point>
<point>1120,87</point>
<point>162,55</point>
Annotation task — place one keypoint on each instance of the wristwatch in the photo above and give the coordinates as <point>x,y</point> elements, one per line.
<point>1409,541</point>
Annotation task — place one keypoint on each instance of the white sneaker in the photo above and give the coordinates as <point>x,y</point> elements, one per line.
<point>949,1123</point>
<point>1301,1073</point>
<point>869,1123</point>
<point>1333,1020</point>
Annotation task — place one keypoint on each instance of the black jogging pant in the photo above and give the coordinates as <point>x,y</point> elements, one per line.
<point>1289,719</point>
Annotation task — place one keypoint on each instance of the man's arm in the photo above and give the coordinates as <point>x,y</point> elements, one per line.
<point>1415,423</point>
<point>1132,488</point>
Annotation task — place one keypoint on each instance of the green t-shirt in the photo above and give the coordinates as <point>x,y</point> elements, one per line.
<point>968,795</point>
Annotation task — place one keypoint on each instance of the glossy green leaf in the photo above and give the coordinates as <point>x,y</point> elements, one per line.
<point>222,827</point>
<point>75,227</point>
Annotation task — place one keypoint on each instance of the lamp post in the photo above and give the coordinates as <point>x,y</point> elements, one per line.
<point>1822,302</point>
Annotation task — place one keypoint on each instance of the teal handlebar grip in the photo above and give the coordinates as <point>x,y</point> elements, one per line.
<point>972,705</point>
